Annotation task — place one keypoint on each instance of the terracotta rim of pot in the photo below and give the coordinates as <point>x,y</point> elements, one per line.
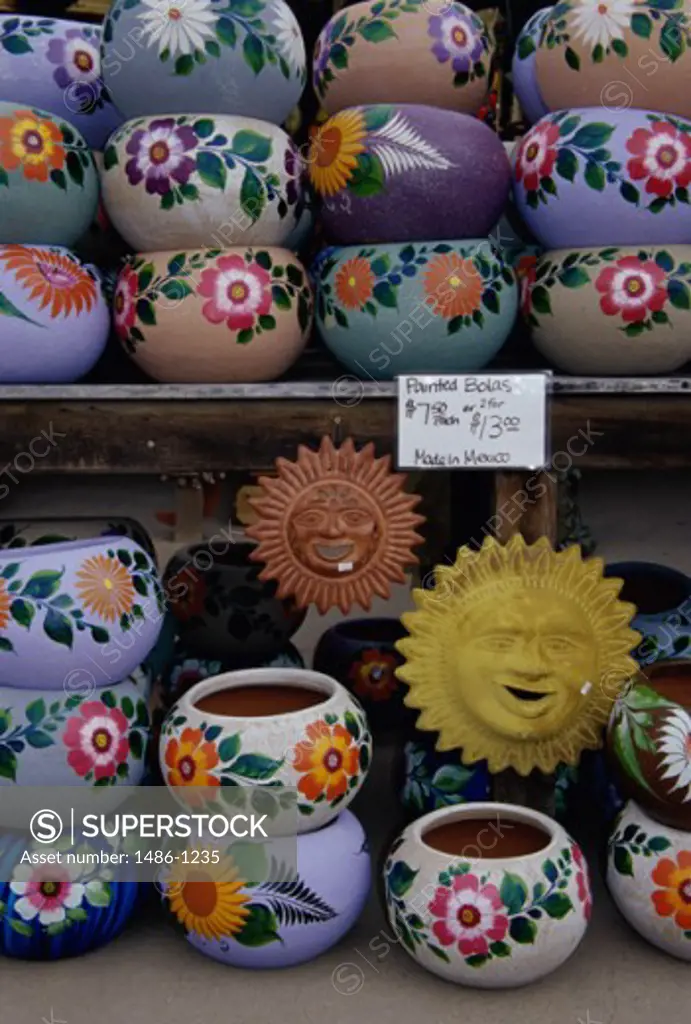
<point>626,571</point>
<point>667,668</point>
<point>303,679</point>
<point>554,833</point>
<point>34,550</point>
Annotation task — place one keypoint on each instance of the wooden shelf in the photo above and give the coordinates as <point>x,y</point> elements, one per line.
<point>88,9</point>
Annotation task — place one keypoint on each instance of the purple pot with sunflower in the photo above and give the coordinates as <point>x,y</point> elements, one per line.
<point>56,65</point>
<point>599,177</point>
<point>523,75</point>
<point>87,610</point>
<point>185,671</point>
<point>56,321</point>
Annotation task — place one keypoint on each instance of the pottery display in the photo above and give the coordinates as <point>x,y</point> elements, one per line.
<point>649,879</point>
<point>430,779</point>
<point>487,895</point>
<point>56,65</point>
<point>277,726</point>
<point>204,57</point>
<point>435,53</point>
<point>185,182</point>
<point>523,77</point>
<point>662,596</point>
<point>407,173</point>
<point>254,910</point>
<point>586,177</point>
<point>48,179</point>
<point>428,307</point>
<point>15,533</point>
<point>185,670</point>
<point>90,607</point>
<point>223,610</point>
<point>248,310</point>
<point>56,321</point>
<point>617,311</point>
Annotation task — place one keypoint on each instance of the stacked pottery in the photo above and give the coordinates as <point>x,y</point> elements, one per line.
<point>206,188</point>
<point>410,183</point>
<point>601,180</point>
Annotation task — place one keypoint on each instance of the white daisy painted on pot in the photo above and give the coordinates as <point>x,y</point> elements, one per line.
<point>46,891</point>
<point>599,22</point>
<point>289,41</point>
<point>675,744</point>
<point>178,27</point>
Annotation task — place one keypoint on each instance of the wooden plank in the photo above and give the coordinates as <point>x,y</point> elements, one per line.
<point>526,503</point>
<point>91,10</point>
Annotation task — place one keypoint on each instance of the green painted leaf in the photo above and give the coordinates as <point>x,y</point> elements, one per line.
<point>381,265</point>
<point>629,192</point>
<point>253,51</point>
<point>573,277</point>
<point>5,720</point>
<point>212,170</point>
<point>598,54</point>
<point>136,744</point>
<point>513,893</point>
<point>539,298</point>
<point>176,290</point>
<point>620,47</point>
<point>38,739</point>
<point>184,65</point>
<point>74,168</point>
<point>204,127</point>
<point>98,894</point>
<point>595,176</point>
<point>376,31</point>
<point>672,40</point>
<point>255,766</point>
<point>110,157</point>
<point>557,905</point>
<point>477,959</point>
<point>526,46</point>
<point>263,259</point>
<point>35,711</point>
<point>352,725</point>
<point>8,308</point>
<point>523,930</point>
<point>500,949</point>
<point>8,764</point>
<point>592,136</point>
<point>42,584</point>
<point>252,146</point>
<point>451,778</point>
<point>678,294</point>
<point>385,295</point>
<point>658,844</point>
<point>17,44</point>
<point>10,570</point>
<point>145,277</point>
<point>267,323</point>
<point>259,928</point>
<point>572,59</point>
<point>569,125</point>
<point>20,927</point>
<point>367,178</point>
<point>549,870</point>
<point>226,33</point>
<point>58,627</point>
<point>641,25</point>
<point>99,635</point>
<point>146,312</point>
<point>5,644</point>
<point>664,261</point>
<point>245,336</point>
<point>212,48</point>
<point>22,612</point>
<point>252,195</point>
<point>400,878</point>
<point>280,296</point>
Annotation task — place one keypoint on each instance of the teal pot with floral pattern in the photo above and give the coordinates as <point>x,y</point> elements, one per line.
<point>83,609</point>
<point>48,178</point>
<point>523,77</point>
<point>487,895</point>
<point>662,596</point>
<point>188,181</point>
<point>185,670</point>
<point>618,311</point>
<point>424,307</point>
<point>322,750</point>
<point>205,56</point>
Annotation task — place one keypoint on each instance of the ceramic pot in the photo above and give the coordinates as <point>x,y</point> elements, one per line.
<point>56,65</point>
<point>431,307</point>
<point>597,178</point>
<point>185,671</point>
<point>430,779</point>
<point>18,534</point>
<point>323,751</point>
<point>649,878</point>
<point>268,925</point>
<point>89,607</point>
<point>663,598</point>
<point>499,895</point>
<point>406,173</point>
<point>56,321</point>
<point>49,182</point>
<point>188,181</point>
<point>634,55</point>
<point>207,59</point>
<point>523,75</point>
<point>437,54</point>
<point>620,311</point>
<point>249,311</point>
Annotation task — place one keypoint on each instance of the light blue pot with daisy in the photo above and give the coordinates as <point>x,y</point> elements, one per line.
<point>204,57</point>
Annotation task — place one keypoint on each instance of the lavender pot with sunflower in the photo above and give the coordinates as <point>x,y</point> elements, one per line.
<point>87,609</point>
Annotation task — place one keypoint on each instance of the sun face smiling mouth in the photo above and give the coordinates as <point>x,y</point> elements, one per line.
<point>334,552</point>
<point>528,695</point>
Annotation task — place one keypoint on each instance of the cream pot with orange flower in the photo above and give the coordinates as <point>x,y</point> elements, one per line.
<point>276,727</point>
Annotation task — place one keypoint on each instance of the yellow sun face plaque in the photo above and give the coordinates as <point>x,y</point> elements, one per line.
<point>518,654</point>
<point>335,527</point>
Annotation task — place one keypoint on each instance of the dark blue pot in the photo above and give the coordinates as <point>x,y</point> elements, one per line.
<point>663,598</point>
<point>431,779</point>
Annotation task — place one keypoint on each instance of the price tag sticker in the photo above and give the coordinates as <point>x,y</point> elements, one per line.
<point>473,421</point>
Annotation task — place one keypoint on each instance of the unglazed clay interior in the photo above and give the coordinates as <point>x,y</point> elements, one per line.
<point>653,592</point>
<point>373,631</point>
<point>673,682</point>
<point>259,701</point>
<point>486,837</point>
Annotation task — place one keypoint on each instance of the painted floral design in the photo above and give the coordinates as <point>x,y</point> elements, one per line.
<point>289,41</point>
<point>631,842</point>
<point>98,740</point>
<point>55,279</point>
<point>237,293</point>
<point>125,302</point>
<point>78,68</point>
<point>327,760</point>
<point>599,24</point>
<point>460,39</point>
<point>582,881</point>
<point>661,157</point>
<point>431,784</point>
<point>632,289</point>
<point>105,587</point>
<point>374,675</point>
<point>213,905</point>
<point>675,743</point>
<point>453,286</point>
<point>177,28</point>
<point>537,155</point>
<point>159,156</point>
<point>526,269</point>
<point>191,760</point>
<point>43,149</point>
<point>17,34</point>
<point>468,915</point>
<point>354,283</point>
<point>673,898</point>
<point>530,34</point>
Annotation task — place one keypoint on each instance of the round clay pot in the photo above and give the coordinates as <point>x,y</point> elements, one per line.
<point>18,534</point>
<point>87,609</point>
<point>649,879</point>
<point>523,76</point>
<point>249,311</point>
<point>56,65</point>
<point>188,181</point>
<point>430,307</point>
<point>48,179</point>
<point>632,55</point>
<point>56,321</point>
<point>244,58</point>
<point>435,53</point>
<point>620,311</point>
<point>322,750</point>
<point>487,895</point>
<point>186,671</point>
<point>321,895</point>
<point>430,779</point>
<point>591,177</point>
<point>663,598</point>
<point>382,171</point>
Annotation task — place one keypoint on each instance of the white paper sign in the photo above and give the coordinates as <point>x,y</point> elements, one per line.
<point>473,421</point>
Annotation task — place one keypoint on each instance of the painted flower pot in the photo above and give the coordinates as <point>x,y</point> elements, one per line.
<point>437,54</point>
<point>618,311</point>
<point>249,311</point>
<point>204,57</point>
<point>487,895</point>
<point>523,77</point>
<point>430,779</point>
<point>662,596</point>
<point>429,307</point>
<point>649,879</point>
<point>187,181</point>
<point>49,192</point>
<point>56,321</point>
<point>617,55</point>
<point>596,177</point>
<point>56,65</point>
<point>186,671</point>
<point>91,606</point>
<point>257,922</point>
<point>18,534</point>
<point>322,747</point>
<point>406,173</point>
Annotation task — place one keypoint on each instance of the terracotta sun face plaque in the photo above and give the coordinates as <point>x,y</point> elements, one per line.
<point>335,527</point>
<point>518,654</point>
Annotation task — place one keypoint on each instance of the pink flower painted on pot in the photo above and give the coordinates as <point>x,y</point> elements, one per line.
<point>582,881</point>
<point>537,155</point>
<point>159,156</point>
<point>98,739</point>
<point>661,156</point>
<point>238,292</point>
<point>632,288</point>
<point>125,302</point>
<point>46,892</point>
<point>79,64</point>
<point>469,915</point>
<point>456,40</point>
